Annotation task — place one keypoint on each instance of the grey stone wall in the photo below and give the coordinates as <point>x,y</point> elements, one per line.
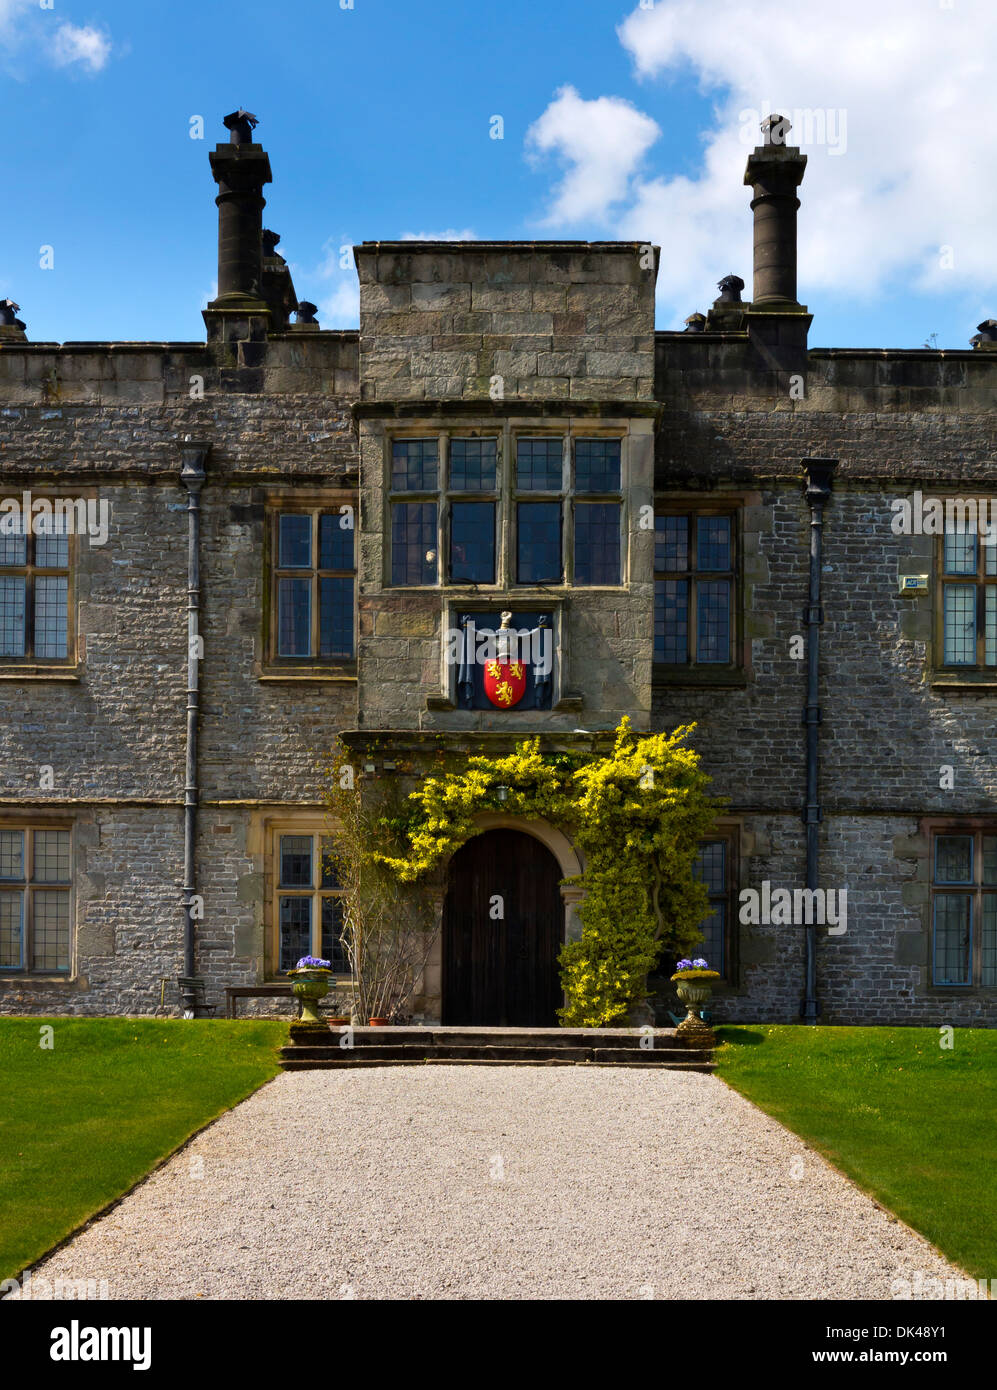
<point>546,321</point>
<point>896,422</point>
<point>114,735</point>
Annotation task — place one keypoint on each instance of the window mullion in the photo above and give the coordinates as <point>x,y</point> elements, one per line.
<point>314,586</point>
<point>27,942</point>
<point>568,510</point>
<point>692,614</point>
<point>443,509</point>
<point>505,561</point>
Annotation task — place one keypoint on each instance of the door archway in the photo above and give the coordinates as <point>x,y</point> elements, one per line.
<point>503,926</point>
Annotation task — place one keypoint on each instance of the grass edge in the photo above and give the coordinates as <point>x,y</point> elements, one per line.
<point>818,1149</point>
<point>99,1212</point>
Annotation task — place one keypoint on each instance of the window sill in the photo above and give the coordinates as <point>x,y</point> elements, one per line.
<point>699,677</point>
<point>963,991</point>
<point>296,675</point>
<point>335,981</point>
<point>25,980</point>
<point>40,673</point>
<point>984,682</point>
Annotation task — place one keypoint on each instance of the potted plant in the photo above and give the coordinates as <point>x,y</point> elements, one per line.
<point>311,978</point>
<point>339,1011</point>
<point>693,981</point>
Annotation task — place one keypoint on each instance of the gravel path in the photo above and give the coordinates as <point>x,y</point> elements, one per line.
<point>496,1182</point>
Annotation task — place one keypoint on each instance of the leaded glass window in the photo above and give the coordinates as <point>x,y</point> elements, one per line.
<point>694,588</point>
<point>34,592</point>
<point>558,500</point>
<point>314,584</point>
<point>964,908</point>
<point>713,867</point>
<point>968,600</point>
<point>598,538</point>
<point>35,890</point>
<point>309,907</point>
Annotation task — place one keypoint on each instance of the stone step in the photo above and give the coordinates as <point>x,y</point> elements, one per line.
<point>492,1037</point>
<point>412,1052</point>
<point>488,1054</point>
<point>329,1063</point>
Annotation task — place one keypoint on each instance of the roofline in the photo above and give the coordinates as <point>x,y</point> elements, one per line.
<point>398,246</point>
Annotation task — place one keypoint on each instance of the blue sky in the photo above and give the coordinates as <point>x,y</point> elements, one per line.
<point>619,120</point>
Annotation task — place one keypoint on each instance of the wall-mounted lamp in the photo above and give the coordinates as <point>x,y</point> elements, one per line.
<point>503,793</point>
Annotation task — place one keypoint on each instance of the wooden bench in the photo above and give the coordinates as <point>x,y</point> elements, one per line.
<point>236,992</point>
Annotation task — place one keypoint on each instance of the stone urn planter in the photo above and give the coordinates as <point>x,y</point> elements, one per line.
<point>310,978</point>
<point>694,981</point>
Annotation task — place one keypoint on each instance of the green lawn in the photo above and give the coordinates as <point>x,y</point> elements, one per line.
<point>82,1122</point>
<point>911,1123</point>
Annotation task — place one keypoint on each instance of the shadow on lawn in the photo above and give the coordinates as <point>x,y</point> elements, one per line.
<point>740,1036</point>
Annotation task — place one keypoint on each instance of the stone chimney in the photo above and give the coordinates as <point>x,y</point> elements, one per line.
<point>776,321</point>
<point>774,173</point>
<point>11,327</point>
<point>240,315</point>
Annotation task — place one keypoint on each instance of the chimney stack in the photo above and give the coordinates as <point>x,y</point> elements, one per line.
<point>11,327</point>
<point>774,173</point>
<point>240,169</point>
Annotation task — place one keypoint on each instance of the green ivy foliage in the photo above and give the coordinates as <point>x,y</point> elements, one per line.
<point>636,814</point>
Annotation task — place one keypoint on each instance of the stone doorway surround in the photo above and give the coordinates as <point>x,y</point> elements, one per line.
<point>429,990</point>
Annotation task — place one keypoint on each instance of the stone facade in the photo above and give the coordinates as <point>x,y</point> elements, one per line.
<point>500,340</point>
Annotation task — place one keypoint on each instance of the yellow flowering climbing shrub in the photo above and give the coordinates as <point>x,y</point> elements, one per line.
<point>636,814</point>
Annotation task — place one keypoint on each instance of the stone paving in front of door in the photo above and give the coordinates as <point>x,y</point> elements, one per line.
<point>487,1182</point>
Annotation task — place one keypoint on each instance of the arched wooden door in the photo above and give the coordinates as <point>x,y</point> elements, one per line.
<point>502,969</point>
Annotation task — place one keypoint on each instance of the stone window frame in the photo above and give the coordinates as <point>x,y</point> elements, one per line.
<point>506,496</point>
<point>977,827</point>
<point>952,673</point>
<point>735,671</point>
<point>29,666</point>
<point>290,670</point>
<point>11,975</point>
<point>319,829</point>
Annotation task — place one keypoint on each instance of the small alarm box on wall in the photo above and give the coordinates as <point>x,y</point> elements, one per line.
<point>913,583</point>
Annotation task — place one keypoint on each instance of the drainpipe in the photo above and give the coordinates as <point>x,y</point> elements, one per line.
<point>819,473</point>
<point>194,457</point>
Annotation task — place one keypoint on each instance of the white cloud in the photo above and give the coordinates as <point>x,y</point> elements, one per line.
<point>341,307</point>
<point>81,44</point>
<point>449,235</point>
<point>9,11</point>
<point>601,141</point>
<point>906,87</point>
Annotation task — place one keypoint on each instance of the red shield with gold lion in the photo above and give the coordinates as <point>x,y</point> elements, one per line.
<point>505,682</point>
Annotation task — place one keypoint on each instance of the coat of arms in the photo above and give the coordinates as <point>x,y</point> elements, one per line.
<point>504,679</point>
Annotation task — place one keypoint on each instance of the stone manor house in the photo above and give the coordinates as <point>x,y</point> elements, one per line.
<point>703,525</point>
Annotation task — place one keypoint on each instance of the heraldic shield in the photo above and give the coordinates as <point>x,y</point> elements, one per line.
<point>505,682</point>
